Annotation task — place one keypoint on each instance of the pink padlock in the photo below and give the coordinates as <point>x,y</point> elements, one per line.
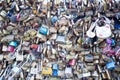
<point>11,48</point>
<point>72,62</point>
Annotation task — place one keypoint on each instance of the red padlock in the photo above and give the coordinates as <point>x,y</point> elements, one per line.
<point>34,46</point>
<point>72,62</point>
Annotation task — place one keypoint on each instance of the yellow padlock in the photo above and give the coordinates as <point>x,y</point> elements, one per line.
<point>47,70</point>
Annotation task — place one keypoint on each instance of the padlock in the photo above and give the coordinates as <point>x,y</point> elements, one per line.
<point>72,62</point>
<point>110,65</point>
<point>46,70</point>
<point>11,48</point>
<point>104,75</point>
<point>4,48</point>
<point>68,72</point>
<point>60,39</point>
<point>13,43</point>
<point>34,46</point>
<point>95,73</point>
<point>19,57</point>
<point>88,58</point>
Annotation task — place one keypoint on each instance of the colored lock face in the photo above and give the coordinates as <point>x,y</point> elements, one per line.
<point>46,71</point>
<point>72,62</point>
<point>110,65</point>
<point>108,41</point>
<point>117,24</point>
<point>11,48</point>
<point>13,43</point>
<point>34,46</point>
<point>54,19</point>
<point>43,30</point>
<point>54,72</point>
<point>112,42</point>
<point>9,13</point>
<point>88,57</point>
<point>55,66</point>
<point>13,18</point>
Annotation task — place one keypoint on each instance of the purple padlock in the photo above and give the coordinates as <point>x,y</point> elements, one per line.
<point>108,40</point>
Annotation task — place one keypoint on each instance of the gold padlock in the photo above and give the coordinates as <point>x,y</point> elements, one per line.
<point>79,41</point>
<point>46,70</point>
<point>34,10</point>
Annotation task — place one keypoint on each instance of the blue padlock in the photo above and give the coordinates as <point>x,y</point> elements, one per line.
<point>110,65</point>
<point>54,69</point>
<point>13,43</point>
<point>112,42</point>
<point>9,13</point>
<point>116,23</point>
<point>13,18</point>
<point>43,30</point>
<point>54,19</point>
<point>54,72</point>
<point>55,66</point>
